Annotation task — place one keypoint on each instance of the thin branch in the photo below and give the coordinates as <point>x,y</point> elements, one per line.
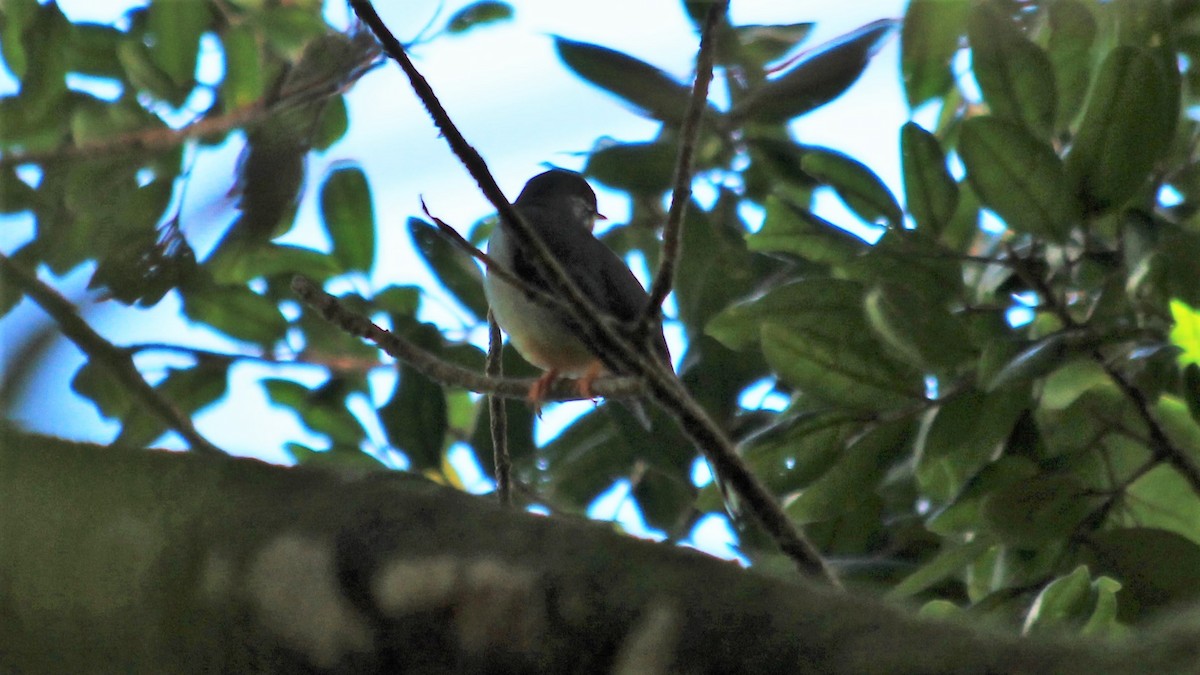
<point>446,373</point>
<point>681,193</point>
<point>146,140</point>
<point>333,362</point>
<point>498,414</point>
<point>117,360</point>
<point>603,337</point>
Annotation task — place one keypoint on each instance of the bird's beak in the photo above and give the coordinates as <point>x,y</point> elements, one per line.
<point>598,217</point>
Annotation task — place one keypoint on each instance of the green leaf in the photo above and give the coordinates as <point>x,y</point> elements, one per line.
<point>349,218</point>
<point>1103,621</point>
<point>962,435</point>
<point>145,75</point>
<point>811,303</point>
<point>236,311</point>
<point>43,82</point>
<point>15,194</point>
<point>1191,389</point>
<point>839,372</point>
<point>1182,430</point>
<point>665,500</point>
<point>1018,177</point>
<point>950,561</point>
<point>1072,33</point>
<point>856,184</point>
<point>791,229</point>
<point>638,168</point>
<point>415,419</point>
<point>478,14</point>
<point>796,451</point>
<point>337,458</point>
<point>840,490</point>
<point>1014,74</point>
<point>333,124</point>
<point>818,79</point>
<point>454,268</point>
<point>245,77</point>
<point>1035,361</point>
<point>719,270</point>
<point>93,50</point>
<point>1185,334</point>
<point>1042,509</point>
<point>187,389</point>
<point>650,90</point>
<point>322,409</point>
<point>18,16</point>
<point>584,460</point>
<point>1156,569</point>
<point>1162,499</point>
<point>100,385</point>
<point>928,43</point>
<point>403,300</point>
<point>758,45</point>
<point>174,30</point>
<point>1066,599</point>
<point>289,30</point>
<point>1068,382</point>
<point>1127,126</point>
<point>923,333</point>
<point>236,262</point>
<point>929,190</point>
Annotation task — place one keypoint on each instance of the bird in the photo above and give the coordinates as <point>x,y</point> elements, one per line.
<point>561,208</point>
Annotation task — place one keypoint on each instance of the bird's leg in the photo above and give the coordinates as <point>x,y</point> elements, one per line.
<point>539,389</point>
<point>585,383</point>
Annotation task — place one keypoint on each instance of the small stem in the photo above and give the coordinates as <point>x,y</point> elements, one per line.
<point>681,193</point>
<point>498,414</point>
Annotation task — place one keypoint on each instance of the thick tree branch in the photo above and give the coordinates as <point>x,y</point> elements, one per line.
<point>118,361</point>
<point>252,567</point>
<point>602,336</point>
<point>681,193</point>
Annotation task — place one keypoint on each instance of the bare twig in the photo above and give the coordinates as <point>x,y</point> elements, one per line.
<point>333,362</point>
<point>117,360</point>
<point>681,193</point>
<point>603,337</point>
<point>498,414</point>
<point>441,371</point>
<point>148,140</point>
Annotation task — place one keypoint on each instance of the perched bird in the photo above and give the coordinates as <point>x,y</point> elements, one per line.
<point>561,207</point>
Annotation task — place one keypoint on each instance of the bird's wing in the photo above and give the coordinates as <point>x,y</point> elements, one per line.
<point>600,274</point>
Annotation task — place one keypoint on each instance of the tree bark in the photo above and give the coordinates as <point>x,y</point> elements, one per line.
<point>121,560</point>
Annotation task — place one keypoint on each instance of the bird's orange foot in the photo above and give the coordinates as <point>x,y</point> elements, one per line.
<point>589,377</point>
<point>539,390</point>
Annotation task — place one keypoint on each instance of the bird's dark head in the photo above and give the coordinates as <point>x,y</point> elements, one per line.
<point>559,188</point>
